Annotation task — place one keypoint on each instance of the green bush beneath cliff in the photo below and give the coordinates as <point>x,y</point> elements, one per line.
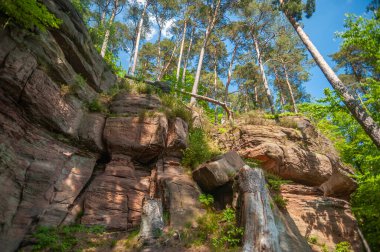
<point>199,149</point>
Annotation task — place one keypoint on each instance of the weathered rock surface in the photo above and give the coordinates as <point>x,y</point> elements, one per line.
<point>327,219</point>
<point>179,193</point>
<point>114,199</point>
<point>218,172</point>
<point>300,154</point>
<point>40,176</point>
<point>126,103</point>
<point>142,138</point>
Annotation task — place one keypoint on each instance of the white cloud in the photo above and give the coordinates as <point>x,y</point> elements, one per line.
<point>166,30</point>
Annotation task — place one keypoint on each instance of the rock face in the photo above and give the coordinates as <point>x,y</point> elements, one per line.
<point>328,220</point>
<point>60,163</point>
<point>299,154</point>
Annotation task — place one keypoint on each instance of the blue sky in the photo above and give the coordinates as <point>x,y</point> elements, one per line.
<point>321,27</point>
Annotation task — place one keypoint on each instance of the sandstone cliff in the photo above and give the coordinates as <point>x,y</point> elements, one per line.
<point>61,163</point>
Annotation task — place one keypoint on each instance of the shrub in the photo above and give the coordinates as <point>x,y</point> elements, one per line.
<point>198,150</point>
<point>96,106</point>
<point>279,200</point>
<point>365,205</point>
<point>176,108</point>
<point>217,229</point>
<point>275,182</point>
<point>62,238</point>
<point>29,13</point>
<point>207,200</point>
<point>343,247</point>
<point>312,240</point>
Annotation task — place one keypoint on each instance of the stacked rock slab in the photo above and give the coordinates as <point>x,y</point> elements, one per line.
<point>45,136</point>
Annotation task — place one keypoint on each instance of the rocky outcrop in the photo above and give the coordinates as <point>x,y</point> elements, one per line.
<point>326,220</point>
<point>299,154</point>
<point>127,103</point>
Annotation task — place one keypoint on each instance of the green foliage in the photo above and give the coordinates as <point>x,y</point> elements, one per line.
<point>253,163</point>
<point>217,229</point>
<point>29,13</point>
<point>199,149</point>
<point>343,247</point>
<point>365,205</point>
<point>176,108</point>
<point>96,106</point>
<point>363,34</point>
<point>207,200</point>
<point>355,148</point>
<point>312,240</point>
<point>275,182</point>
<point>62,238</point>
<point>279,200</point>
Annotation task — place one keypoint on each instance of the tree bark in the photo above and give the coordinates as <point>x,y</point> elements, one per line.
<point>162,73</point>
<point>104,12</point>
<point>107,34</point>
<point>290,90</point>
<point>263,75</point>
<point>257,218</point>
<point>181,50</point>
<point>139,30</point>
<point>229,75</point>
<point>215,89</point>
<point>358,112</point>
<point>209,29</point>
<point>188,54</point>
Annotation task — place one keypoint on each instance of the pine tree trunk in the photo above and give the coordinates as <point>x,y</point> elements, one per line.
<point>159,67</point>
<point>199,68</point>
<point>263,75</point>
<point>290,90</point>
<point>215,90</point>
<point>229,75</point>
<point>209,29</point>
<point>139,30</point>
<point>181,51</point>
<point>107,34</point>
<point>358,112</point>
<point>163,72</point>
<point>104,12</point>
<point>188,55</point>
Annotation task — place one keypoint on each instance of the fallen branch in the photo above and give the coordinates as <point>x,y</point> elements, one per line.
<point>165,87</point>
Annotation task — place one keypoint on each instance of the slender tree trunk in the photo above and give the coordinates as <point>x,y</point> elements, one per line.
<point>281,90</point>
<point>229,75</point>
<point>188,55</point>
<point>290,90</point>
<point>263,75</point>
<point>139,30</point>
<point>215,90</point>
<point>209,29</point>
<point>104,12</point>
<point>159,67</point>
<point>181,50</point>
<point>358,112</point>
<point>163,72</point>
<point>108,30</point>
<point>256,97</point>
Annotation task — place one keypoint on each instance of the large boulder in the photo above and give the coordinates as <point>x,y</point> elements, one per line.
<point>216,173</point>
<point>91,131</point>
<point>127,103</point>
<point>177,137</point>
<point>142,138</point>
<point>296,152</point>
